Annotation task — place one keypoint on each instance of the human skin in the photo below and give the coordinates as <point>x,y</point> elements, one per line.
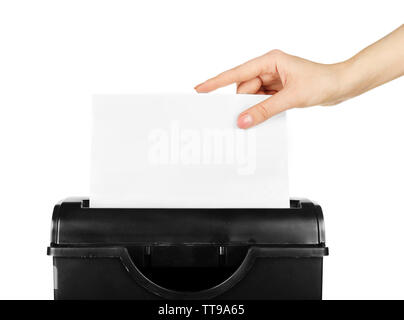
<point>293,82</point>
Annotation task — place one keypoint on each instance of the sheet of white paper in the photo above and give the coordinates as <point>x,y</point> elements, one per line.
<point>185,151</point>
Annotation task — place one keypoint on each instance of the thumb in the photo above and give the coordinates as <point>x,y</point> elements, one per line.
<point>264,110</point>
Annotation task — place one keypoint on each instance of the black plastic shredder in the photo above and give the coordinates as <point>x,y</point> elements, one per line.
<point>237,254</point>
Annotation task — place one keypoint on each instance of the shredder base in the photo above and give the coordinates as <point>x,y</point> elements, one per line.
<point>268,279</point>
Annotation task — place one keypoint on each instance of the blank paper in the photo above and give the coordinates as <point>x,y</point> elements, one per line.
<point>185,151</point>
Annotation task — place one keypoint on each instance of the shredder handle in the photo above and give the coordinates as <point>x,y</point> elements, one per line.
<point>210,293</point>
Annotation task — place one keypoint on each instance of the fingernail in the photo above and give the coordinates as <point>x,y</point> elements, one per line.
<point>245,121</point>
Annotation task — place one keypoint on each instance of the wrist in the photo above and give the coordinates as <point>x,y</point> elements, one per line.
<point>347,80</point>
<point>358,75</point>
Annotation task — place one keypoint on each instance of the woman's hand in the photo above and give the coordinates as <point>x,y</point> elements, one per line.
<point>292,81</point>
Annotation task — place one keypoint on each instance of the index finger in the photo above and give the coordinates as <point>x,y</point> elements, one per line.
<point>241,73</point>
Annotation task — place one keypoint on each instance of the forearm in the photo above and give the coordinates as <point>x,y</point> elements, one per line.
<point>379,63</point>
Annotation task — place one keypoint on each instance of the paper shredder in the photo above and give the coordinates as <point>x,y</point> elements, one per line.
<point>237,254</point>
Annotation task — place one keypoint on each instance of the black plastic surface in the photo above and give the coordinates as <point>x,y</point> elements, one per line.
<point>75,223</point>
<point>187,253</point>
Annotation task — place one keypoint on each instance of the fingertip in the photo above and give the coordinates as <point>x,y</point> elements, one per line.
<point>245,121</point>
<point>202,88</point>
<point>197,87</point>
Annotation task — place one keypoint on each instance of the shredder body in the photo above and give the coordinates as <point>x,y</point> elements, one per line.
<point>226,254</point>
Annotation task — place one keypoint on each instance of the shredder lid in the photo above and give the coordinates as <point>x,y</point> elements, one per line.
<point>75,223</point>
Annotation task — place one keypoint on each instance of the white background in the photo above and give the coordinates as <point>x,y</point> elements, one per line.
<point>55,54</point>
